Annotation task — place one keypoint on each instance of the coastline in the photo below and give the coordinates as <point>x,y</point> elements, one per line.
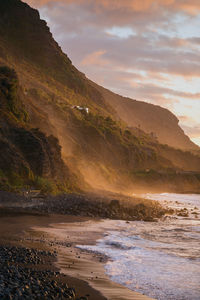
<point>82,270</point>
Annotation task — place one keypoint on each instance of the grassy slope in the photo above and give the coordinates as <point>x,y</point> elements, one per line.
<point>27,156</point>
<point>104,150</point>
<point>150,118</point>
<point>33,44</point>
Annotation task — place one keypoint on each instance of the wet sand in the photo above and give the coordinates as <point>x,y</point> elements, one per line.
<point>84,271</point>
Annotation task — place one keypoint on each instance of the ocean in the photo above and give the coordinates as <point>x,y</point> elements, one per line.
<point>158,259</point>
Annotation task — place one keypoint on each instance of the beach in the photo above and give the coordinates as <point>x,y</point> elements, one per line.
<point>88,257</point>
<point>81,270</point>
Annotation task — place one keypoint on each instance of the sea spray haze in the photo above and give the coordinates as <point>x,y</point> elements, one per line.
<point>100,147</point>
<point>160,259</point>
<point>62,133</point>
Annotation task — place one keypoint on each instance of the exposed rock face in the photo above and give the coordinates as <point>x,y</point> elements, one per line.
<point>28,38</point>
<point>107,146</point>
<point>33,43</point>
<point>23,150</point>
<point>42,153</point>
<point>150,118</point>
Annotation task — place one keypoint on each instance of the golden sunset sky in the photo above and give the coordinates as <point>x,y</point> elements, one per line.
<point>148,50</point>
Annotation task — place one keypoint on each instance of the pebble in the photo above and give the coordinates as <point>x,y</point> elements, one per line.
<point>20,281</point>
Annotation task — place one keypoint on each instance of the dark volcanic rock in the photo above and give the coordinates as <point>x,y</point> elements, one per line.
<point>24,151</point>
<point>42,153</point>
<point>84,205</point>
<point>19,279</point>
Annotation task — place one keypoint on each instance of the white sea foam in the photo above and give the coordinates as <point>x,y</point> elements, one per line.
<point>161,260</point>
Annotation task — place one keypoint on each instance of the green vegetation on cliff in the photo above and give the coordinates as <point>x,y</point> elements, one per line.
<point>46,142</point>
<point>27,156</point>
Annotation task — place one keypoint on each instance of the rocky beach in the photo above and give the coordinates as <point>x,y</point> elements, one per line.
<point>34,264</point>
<point>20,282</point>
<point>45,242</point>
<point>99,192</point>
<point>27,264</point>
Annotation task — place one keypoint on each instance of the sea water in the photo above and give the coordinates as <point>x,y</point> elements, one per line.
<point>159,259</point>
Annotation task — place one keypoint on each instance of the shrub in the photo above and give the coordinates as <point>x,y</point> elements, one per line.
<point>45,185</point>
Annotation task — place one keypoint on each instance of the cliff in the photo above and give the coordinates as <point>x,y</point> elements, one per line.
<point>27,155</point>
<point>150,118</point>
<point>108,145</point>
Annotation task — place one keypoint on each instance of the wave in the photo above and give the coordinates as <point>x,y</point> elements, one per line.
<point>119,245</point>
<point>160,260</point>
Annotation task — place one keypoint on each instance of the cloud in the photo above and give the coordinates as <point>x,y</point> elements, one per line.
<point>184,118</point>
<point>145,49</point>
<point>189,6</point>
<point>95,58</point>
<point>137,53</point>
<point>155,90</point>
<point>78,28</point>
<point>194,40</point>
<point>193,132</point>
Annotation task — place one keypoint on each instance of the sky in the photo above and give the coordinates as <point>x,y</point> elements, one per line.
<point>147,50</point>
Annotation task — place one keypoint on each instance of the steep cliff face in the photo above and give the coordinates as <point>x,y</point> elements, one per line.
<point>24,38</point>
<point>25,153</point>
<point>150,118</point>
<point>29,40</point>
<point>107,146</point>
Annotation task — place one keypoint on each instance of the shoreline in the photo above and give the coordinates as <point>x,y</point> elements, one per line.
<point>82,270</point>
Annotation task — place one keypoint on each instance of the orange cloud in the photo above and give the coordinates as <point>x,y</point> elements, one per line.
<point>189,6</point>
<point>156,66</point>
<point>193,132</point>
<point>95,58</point>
